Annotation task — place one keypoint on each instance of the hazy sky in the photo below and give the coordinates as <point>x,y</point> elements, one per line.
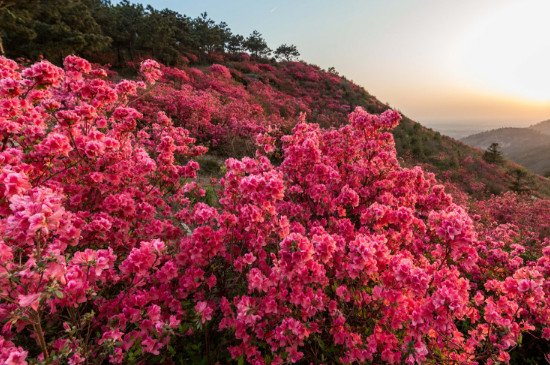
<point>435,60</point>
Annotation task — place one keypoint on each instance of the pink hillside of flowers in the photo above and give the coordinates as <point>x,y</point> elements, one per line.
<point>109,253</point>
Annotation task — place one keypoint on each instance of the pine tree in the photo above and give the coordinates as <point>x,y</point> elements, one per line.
<point>207,37</point>
<point>256,45</point>
<point>519,182</point>
<point>123,23</point>
<point>53,29</point>
<point>287,53</point>
<point>236,44</point>
<point>15,20</point>
<point>493,155</point>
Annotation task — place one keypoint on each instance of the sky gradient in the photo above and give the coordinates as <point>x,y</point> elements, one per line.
<point>437,61</point>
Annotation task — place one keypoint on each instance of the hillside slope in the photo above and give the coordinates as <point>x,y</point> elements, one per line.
<point>512,141</point>
<point>232,209</point>
<point>543,127</point>
<point>526,146</point>
<point>222,103</point>
<point>223,106</point>
<point>322,248</point>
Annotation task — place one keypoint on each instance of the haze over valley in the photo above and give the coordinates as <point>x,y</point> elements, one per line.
<point>461,129</point>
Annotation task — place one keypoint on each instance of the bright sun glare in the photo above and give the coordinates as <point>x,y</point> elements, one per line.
<point>509,50</point>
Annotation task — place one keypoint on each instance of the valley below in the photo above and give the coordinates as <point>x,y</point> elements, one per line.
<point>529,147</point>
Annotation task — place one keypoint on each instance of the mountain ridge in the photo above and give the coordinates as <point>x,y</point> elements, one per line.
<point>543,126</point>
<point>525,146</point>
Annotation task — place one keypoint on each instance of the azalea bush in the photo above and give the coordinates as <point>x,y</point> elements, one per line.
<point>87,204</point>
<point>218,110</point>
<point>110,251</point>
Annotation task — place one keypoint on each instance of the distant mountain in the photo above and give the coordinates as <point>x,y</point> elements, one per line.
<point>512,141</point>
<point>543,127</point>
<point>529,147</point>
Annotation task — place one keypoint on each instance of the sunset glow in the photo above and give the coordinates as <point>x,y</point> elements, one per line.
<point>507,51</point>
<point>436,61</point>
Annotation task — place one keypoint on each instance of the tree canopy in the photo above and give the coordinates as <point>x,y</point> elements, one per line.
<point>119,33</point>
<point>287,53</point>
<point>492,154</point>
<point>256,45</point>
<point>51,29</point>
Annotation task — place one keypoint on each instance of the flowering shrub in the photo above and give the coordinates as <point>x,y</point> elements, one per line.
<point>87,201</point>
<point>220,71</point>
<point>217,110</point>
<point>109,253</point>
<point>522,211</point>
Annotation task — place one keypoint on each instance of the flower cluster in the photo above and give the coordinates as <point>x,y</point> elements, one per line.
<point>109,251</point>
<point>84,210</point>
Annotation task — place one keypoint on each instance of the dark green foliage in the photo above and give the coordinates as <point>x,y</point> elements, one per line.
<point>256,45</point>
<point>119,33</point>
<point>122,23</point>
<point>165,34</point>
<point>520,183</point>
<point>287,53</point>
<point>530,350</point>
<point>209,167</point>
<point>493,155</point>
<point>210,37</point>
<point>211,197</point>
<point>235,44</point>
<point>53,29</point>
<point>15,18</point>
